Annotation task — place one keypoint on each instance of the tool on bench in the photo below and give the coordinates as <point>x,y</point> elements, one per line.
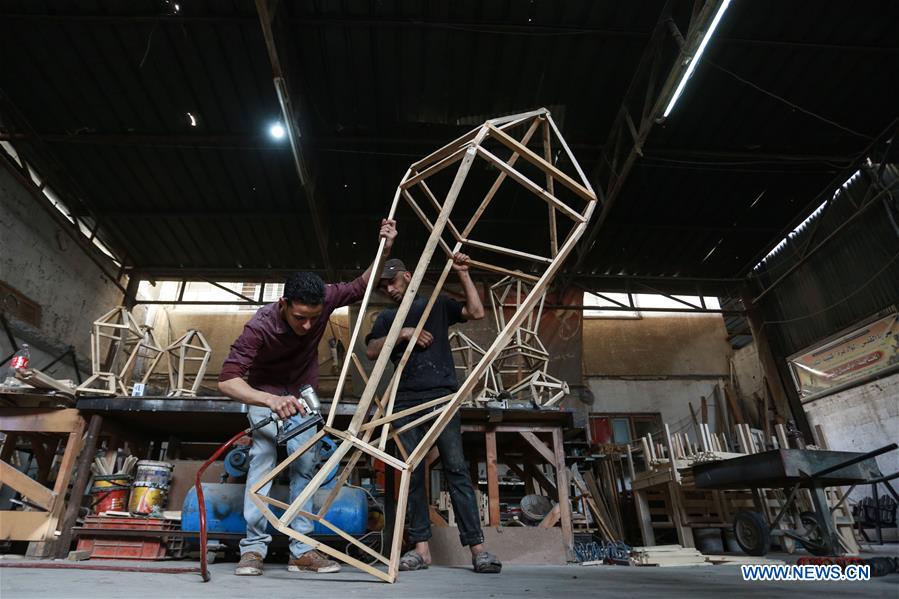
<point>287,430</point>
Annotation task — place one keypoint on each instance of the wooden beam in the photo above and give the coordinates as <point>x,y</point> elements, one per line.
<point>539,446</point>
<point>492,479</point>
<point>38,420</point>
<point>23,526</point>
<point>540,163</point>
<point>36,493</point>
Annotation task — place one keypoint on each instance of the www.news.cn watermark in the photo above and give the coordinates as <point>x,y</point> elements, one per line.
<point>781,572</point>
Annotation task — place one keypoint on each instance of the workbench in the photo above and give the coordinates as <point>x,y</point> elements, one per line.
<point>520,438</point>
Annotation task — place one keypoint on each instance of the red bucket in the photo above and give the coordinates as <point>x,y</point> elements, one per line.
<point>110,493</point>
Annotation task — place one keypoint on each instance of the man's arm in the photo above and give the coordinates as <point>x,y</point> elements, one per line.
<point>388,233</point>
<point>239,390</point>
<point>374,346</point>
<point>374,341</point>
<point>231,383</point>
<point>474,308</point>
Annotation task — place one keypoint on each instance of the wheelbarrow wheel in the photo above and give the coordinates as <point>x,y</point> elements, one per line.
<point>751,531</point>
<point>813,538</point>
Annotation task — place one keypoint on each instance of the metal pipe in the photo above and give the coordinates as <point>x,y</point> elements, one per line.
<point>63,566</point>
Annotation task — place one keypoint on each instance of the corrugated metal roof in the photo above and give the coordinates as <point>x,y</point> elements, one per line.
<point>849,279</point>
<point>109,86</point>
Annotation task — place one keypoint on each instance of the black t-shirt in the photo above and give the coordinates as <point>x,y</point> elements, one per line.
<point>430,372</point>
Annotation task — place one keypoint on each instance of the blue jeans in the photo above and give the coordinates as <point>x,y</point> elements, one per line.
<point>455,470</point>
<point>264,457</point>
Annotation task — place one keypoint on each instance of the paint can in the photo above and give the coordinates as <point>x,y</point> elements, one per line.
<point>151,487</point>
<point>147,498</point>
<point>110,493</point>
<point>153,473</point>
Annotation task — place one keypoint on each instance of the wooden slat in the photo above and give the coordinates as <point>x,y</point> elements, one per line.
<point>434,169</point>
<point>492,479</point>
<point>36,493</point>
<point>543,165</point>
<point>539,446</point>
<point>506,251</point>
<point>38,420</point>
<point>23,526</point>
<point>531,186</point>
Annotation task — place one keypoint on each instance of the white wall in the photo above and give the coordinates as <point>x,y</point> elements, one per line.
<point>669,397</point>
<point>39,260</point>
<point>658,364</point>
<point>863,418</point>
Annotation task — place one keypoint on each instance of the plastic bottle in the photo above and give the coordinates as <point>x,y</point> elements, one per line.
<point>21,359</point>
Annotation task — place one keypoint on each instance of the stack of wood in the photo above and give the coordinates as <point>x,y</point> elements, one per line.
<point>667,555</point>
<point>663,556</point>
<point>606,514</point>
<point>39,380</point>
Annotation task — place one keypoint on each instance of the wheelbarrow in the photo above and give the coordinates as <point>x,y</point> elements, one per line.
<point>791,470</point>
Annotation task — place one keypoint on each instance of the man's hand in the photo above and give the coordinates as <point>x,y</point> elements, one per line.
<point>425,339</point>
<point>285,406</point>
<point>388,233</point>
<point>460,262</point>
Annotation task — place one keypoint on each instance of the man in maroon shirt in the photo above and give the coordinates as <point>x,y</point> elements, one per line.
<point>278,353</point>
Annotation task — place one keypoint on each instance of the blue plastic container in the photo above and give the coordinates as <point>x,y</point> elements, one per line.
<point>224,509</point>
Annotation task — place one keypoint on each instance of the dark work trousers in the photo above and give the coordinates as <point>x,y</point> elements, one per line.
<point>465,505</point>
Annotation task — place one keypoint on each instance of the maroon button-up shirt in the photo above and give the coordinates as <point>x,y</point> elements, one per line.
<point>274,358</point>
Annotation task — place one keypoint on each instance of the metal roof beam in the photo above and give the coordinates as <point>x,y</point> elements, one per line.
<point>251,141</point>
<point>269,20</point>
<point>642,107</point>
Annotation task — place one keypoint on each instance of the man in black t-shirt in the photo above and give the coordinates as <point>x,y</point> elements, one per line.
<point>430,373</point>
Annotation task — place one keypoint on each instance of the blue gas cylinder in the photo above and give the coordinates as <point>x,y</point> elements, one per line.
<point>224,509</point>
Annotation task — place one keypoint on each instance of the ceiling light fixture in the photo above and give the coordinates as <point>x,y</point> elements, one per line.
<point>695,58</point>
<point>277,131</point>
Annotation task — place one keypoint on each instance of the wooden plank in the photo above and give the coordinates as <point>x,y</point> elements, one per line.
<point>39,380</point>
<point>64,475</point>
<point>574,162</point>
<point>397,544</point>
<point>36,493</point>
<point>540,163</point>
<point>287,462</point>
<point>548,158</point>
<point>539,446</point>
<point>734,404</point>
<point>781,432</point>
<point>531,186</point>
<point>506,251</point>
<point>552,518</point>
<point>503,337</point>
<point>450,160</point>
<point>492,479</point>
<point>496,184</point>
<point>563,487</point>
<point>369,449</point>
<point>38,420</point>
<point>406,303</point>
<point>397,415</point>
<point>23,526</point>
<point>377,266</point>
<point>443,152</point>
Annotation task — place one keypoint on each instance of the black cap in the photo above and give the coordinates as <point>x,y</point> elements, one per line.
<point>392,267</point>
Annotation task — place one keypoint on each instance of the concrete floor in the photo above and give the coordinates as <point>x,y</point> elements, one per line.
<point>519,582</point>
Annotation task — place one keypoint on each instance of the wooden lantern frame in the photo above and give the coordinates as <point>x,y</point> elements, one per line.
<point>369,430</point>
<point>124,336</point>
<point>189,347</point>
